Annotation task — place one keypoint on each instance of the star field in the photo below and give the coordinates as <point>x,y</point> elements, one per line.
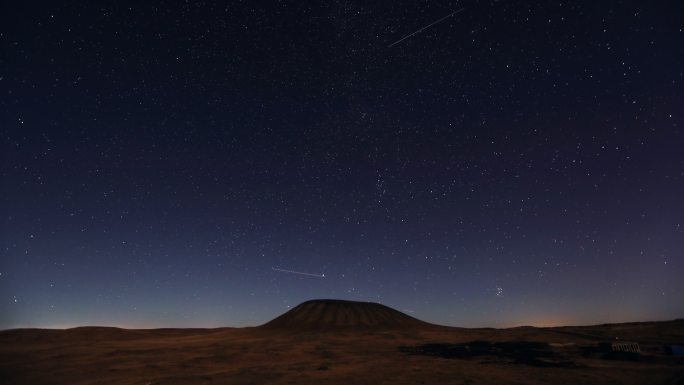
<point>178,164</point>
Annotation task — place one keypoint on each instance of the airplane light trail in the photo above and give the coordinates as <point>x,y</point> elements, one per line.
<point>298,272</point>
<point>426,27</point>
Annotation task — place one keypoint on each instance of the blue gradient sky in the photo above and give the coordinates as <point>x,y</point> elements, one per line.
<point>512,164</point>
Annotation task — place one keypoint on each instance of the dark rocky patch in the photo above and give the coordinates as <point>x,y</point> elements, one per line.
<point>521,352</point>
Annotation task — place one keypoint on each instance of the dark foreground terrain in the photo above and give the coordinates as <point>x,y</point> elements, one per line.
<point>335,342</point>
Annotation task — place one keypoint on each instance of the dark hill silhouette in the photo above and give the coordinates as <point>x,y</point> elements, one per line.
<point>323,314</point>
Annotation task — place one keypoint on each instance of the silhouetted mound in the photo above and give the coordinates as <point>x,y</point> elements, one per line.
<point>335,314</point>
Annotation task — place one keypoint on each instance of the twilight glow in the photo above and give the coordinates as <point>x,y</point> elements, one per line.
<point>201,165</point>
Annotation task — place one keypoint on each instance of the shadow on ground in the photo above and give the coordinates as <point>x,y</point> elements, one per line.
<point>522,353</point>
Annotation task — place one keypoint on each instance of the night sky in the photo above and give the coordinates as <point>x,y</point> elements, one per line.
<point>196,164</point>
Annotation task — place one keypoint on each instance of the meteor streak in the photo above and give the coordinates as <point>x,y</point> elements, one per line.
<point>426,27</point>
<point>298,272</point>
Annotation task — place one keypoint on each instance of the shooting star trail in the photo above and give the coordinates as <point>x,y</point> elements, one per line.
<point>426,27</point>
<point>298,272</point>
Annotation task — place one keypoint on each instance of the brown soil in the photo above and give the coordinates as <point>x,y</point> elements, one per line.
<point>330,343</point>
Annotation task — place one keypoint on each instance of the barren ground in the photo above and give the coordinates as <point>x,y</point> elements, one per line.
<point>95,355</point>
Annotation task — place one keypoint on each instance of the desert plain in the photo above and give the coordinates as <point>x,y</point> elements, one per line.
<point>342,342</point>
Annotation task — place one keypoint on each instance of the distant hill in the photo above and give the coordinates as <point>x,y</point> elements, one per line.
<point>331,314</point>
